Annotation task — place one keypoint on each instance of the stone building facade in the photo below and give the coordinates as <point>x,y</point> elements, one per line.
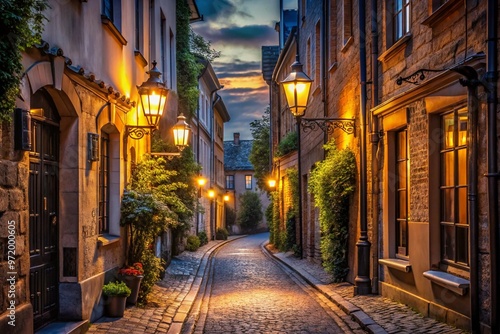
<point>61,196</point>
<point>420,79</point>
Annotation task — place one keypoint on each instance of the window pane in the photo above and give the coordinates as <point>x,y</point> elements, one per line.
<point>401,145</point>
<point>448,169</point>
<point>402,205</point>
<point>448,196</point>
<point>402,175</point>
<point>449,130</point>
<point>462,166</point>
<point>462,206</point>
<point>462,245</point>
<point>448,242</point>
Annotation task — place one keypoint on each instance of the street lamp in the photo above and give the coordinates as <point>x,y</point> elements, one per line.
<point>152,96</point>
<point>181,132</point>
<point>211,195</point>
<point>271,183</point>
<point>297,86</point>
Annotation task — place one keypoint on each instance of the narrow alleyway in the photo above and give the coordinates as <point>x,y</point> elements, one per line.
<point>250,293</point>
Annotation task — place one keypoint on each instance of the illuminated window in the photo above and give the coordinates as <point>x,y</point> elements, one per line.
<point>453,188</point>
<point>401,197</point>
<point>248,181</point>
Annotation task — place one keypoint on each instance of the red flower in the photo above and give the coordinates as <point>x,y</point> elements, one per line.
<point>134,270</point>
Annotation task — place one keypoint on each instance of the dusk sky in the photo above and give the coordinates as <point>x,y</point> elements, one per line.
<point>239,28</point>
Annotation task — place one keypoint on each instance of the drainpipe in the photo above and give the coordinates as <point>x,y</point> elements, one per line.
<point>492,78</point>
<point>362,280</point>
<point>472,82</point>
<point>374,139</point>
<point>325,49</point>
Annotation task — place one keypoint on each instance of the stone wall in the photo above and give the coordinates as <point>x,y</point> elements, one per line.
<point>16,313</point>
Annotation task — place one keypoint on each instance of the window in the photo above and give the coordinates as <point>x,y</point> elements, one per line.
<point>139,26</point>
<point>332,33</point>
<point>454,223</point>
<point>163,46</point>
<point>317,55</point>
<point>401,193</point>
<point>400,19</point>
<point>229,181</point>
<point>104,185</point>
<point>347,26</point>
<point>111,17</point>
<point>248,181</point>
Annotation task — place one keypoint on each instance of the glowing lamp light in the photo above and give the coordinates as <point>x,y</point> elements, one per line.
<point>226,198</point>
<point>201,181</point>
<point>153,96</point>
<point>181,132</point>
<point>296,87</point>
<point>271,183</point>
<point>211,193</point>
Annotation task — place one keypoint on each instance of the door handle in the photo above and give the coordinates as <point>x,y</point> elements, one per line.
<point>45,203</point>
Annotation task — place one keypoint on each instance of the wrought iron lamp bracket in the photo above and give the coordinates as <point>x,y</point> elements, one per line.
<point>415,77</point>
<point>139,131</point>
<point>328,125</point>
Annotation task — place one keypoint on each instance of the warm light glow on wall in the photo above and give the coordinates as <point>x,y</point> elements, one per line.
<point>211,193</point>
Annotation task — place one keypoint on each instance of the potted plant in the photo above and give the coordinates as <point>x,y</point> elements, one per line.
<point>132,276</point>
<point>116,297</point>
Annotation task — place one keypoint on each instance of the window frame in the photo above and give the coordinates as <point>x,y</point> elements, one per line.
<point>104,184</point>
<point>248,182</point>
<point>230,182</point>
<point>456,186</point>
<point>401,247</point>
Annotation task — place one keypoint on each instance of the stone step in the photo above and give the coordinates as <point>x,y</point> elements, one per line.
<point>70,327</point>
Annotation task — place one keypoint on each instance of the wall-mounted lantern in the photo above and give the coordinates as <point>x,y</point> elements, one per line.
<point>153,97</point>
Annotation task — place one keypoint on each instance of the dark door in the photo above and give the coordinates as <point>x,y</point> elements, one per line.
<point>43,224</point>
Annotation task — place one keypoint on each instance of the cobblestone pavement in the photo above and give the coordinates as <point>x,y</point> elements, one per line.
<point>393,317</point>
<point>172,298</point>
<point>251,294</point>
<point>168,300</point>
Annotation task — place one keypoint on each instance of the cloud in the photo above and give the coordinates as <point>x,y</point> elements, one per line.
<point>248,35</point>
<point>220,9</point>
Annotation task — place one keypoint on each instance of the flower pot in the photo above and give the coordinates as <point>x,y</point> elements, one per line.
<point>115,306</point>
<point>134,283</point>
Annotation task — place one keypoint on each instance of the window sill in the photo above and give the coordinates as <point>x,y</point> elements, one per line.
<point>441,13</point>
<point>347,43</point>
<point>113,29</point>
<point>395,48</point>
<point>397,264</point>
<point>139,56</point>
<point>451,282</point>
<point>107,239</point>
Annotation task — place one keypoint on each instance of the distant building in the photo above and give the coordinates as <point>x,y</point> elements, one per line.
<point>239,173</point>
<point>208,146</point>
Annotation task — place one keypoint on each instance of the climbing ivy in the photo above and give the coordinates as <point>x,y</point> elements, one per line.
<point>190,47</point>
<point>332,183</point>
<point>21,26</point>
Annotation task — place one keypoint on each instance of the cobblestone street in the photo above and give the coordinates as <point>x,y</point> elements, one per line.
<point>249,293</point>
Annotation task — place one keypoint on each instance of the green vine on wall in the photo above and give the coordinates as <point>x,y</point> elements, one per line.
<point>190,47</point>
<point>21,26</point>
<point>332,183</point>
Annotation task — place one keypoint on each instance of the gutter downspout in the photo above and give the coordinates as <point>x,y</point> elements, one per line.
<point>325,49</point>
<point>213,206</point>
<point>491,79</point>
<point>362,280</point>
<point>374,139</point>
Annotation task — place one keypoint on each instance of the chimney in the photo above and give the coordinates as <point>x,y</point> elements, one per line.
<point>236,138</point>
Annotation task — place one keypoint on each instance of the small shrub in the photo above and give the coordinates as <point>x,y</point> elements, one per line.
<point>116,289</point>
<point>221,234</point>
<point>192,243</point>
<point>203,238</point>
<point>288,143</point>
